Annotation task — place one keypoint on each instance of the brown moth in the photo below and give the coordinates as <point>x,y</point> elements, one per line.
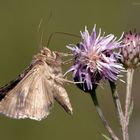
<point>32,94</point>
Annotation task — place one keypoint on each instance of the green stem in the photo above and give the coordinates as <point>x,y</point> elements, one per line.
<point>103,119</point>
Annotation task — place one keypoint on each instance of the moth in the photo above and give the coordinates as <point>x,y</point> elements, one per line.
<point>32,94</point>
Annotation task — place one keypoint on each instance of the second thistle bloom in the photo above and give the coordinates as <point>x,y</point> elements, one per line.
<point>131,50</point>
<point>94,59</point>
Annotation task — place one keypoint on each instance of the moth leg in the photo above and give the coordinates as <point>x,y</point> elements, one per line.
<point>64,80</point>
<point>71,82</point>
<point>67,61</point>
<point>62,54</point>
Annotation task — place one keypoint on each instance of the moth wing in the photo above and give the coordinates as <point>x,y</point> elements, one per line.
<point>31,98</point>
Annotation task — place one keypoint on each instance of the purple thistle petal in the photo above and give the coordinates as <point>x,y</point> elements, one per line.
<point>94,59</point>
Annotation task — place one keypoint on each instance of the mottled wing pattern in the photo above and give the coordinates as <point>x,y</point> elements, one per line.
<point>13,83</point>
<point>32,97</point>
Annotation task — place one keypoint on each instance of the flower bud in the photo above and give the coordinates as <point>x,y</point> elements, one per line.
<point>131,50</point>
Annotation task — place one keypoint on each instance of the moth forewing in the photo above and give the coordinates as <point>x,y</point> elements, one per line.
<point>34,93</point>
<point>28,99</point>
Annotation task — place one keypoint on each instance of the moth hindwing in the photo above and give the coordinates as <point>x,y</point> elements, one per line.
<point>32,94</point>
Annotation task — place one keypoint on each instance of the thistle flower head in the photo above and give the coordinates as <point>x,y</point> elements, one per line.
<point>94,59</point>
<point>131,50</point>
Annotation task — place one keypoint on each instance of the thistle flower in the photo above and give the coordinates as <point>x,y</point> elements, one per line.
<point>131,50</point>
<point>94,59</point>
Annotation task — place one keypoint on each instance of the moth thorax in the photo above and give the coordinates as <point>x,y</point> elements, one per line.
<point>50,57</point>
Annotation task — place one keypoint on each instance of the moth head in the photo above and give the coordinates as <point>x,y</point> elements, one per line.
<point>52,58</point>
<point>49,57</point>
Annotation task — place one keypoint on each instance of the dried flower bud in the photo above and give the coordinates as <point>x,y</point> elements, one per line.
<point>131,50</point>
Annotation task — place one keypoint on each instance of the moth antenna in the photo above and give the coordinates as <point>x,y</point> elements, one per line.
<point>61,33</point>
<point>41,32</point>
<point>39,25</point>
<point>40,42</point>
<point>136,3</point>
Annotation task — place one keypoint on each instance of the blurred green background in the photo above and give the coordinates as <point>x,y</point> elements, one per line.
<point>19,41</point>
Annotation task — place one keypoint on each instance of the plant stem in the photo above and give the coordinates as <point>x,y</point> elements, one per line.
<point>118,105</point>
<point>103,119</point>
<point>128,100</point>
